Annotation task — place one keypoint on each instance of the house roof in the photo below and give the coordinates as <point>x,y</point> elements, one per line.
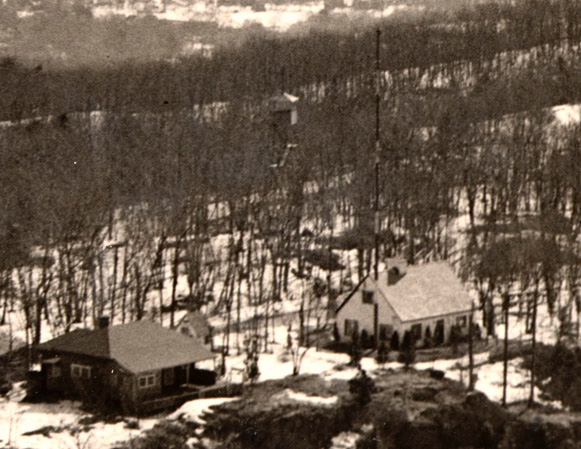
<point>424,291</point>
<point>197,321</point>
<point>282,101</point>
<point>138,347</point>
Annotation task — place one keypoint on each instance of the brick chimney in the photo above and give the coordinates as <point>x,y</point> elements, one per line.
<point>102,322</point>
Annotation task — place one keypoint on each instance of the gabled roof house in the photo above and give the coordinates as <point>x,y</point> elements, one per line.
<point>411,298</point>
<point>194,324</point>
<point>130,363</point>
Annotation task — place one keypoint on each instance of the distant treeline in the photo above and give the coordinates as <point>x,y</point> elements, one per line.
<point>264,63</point>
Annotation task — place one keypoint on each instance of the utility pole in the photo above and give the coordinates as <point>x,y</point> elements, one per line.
<point>376,200</point>
<point>471,350</point>
<point>377,148</point>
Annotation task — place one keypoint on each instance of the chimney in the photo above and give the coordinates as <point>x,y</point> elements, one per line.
<point>102,322</point>
<point>396,271</point>
<point>393,275</point>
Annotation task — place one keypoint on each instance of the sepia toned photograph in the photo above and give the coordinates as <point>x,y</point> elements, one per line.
<point>290,224</point>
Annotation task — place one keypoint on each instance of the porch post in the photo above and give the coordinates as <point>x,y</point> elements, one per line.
<point>376,325</point>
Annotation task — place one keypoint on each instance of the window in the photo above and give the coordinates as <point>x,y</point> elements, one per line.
<point>385,331</point>
<point>185,330</point>
<point>351,326</point>
<point>461,321</point>
<point>416,331</point>
<point>80,371</point>
<point>147,381</point>
<point>367,297</point>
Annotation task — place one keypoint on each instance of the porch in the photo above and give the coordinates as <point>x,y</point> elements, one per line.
<point>185,379</point>
<point>189,392</point>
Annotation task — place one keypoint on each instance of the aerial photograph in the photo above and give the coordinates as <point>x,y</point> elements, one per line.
<point>290,224</point>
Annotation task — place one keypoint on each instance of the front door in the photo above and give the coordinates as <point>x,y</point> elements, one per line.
<point>181,375</point>
<point>167,378</point>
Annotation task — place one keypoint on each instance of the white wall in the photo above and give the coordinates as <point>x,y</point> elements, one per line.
<point>356,309</point>
<point>363,313</point>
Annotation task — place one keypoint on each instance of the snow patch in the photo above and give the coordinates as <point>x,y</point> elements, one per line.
<point>18,418</point>
<point>345,440</point>
<point>567,114</point>
<point>302,397</point>
<point>193,410</point>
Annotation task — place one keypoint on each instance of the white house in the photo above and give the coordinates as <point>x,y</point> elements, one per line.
<point>194,324</point>
<point>406,298</point>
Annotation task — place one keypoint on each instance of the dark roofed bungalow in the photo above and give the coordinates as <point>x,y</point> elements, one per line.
<point>131,365</point>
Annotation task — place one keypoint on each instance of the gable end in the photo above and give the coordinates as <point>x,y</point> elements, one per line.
<point>350,295</point>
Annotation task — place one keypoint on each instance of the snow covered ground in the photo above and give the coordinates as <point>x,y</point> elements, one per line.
<point>193,410</point>
<point>273,16</point>
<point>63,425</point>
<point>17,418</point>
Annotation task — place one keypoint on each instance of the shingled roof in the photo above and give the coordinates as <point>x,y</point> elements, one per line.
<point>138,347</point>
<point>198,322</point>
<point>424,291</point>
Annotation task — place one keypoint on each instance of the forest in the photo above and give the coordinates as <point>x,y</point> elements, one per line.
<point>120,180</point>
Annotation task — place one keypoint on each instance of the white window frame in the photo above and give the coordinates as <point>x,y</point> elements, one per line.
<point>149,381</point>
<point>79,371</point>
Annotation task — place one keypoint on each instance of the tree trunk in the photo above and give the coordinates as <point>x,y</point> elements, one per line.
<point>533,349</point>
<point>175,274</point>
<point>505,354</point>
<point>470,352</point>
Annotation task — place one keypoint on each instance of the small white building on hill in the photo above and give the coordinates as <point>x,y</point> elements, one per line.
<point>194,324</point>
<point>426,299</point>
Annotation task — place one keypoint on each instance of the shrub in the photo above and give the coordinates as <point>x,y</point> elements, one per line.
<point>323,258</point>
<point>361,387</point>
<point>407,355</point>
<point>367,340</point>
<point>438,338</point>
<point>355,349</point>
<point>165,434</point>
<point>428,342</point>
<point>382,353</point>
<point>336,335</point>
<point>394,341</point>
<point>557,369</point>
<point>455,337</point>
